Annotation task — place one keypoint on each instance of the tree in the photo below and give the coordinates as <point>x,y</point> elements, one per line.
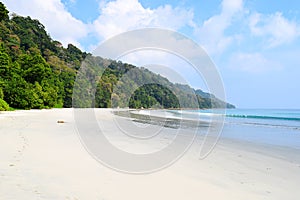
<point>17,93</point>
<point>34,67</point>
<point>4,64</point>
<point>3,12</point>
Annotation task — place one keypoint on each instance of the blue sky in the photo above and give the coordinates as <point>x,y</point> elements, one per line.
<point>255,44</point>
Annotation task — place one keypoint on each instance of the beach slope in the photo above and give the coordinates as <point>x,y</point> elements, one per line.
<point>43,159</point>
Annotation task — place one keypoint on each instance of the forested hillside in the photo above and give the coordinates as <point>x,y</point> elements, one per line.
<point>38,72</point>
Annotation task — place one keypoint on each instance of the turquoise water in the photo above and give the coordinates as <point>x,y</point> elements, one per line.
<point>276,118</point>
<point>268,126</point>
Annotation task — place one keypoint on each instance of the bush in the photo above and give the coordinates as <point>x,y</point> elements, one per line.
<point>3,105</point>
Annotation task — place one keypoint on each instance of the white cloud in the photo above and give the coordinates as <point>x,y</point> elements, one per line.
<point>58,21</point>
<point>168,65</point>
<point>114,17</point>
<point>252,62</point>
<point>211,33</point>
<point>123,15</point>
<point>230,7</point>
<point>278,29</point>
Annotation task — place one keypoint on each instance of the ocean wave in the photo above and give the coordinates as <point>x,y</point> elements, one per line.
<point>284,126</point>
<point>264,117</point>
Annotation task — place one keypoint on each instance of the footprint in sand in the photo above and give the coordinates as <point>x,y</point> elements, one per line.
<point>36,192</point>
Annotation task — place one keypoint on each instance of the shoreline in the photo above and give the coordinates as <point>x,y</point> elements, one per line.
<point>42,159</point>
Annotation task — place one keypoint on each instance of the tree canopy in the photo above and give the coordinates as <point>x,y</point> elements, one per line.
<point>38,72</point>
<point>3,12</point>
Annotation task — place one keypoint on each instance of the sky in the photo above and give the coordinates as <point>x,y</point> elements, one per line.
<point>254,44</point>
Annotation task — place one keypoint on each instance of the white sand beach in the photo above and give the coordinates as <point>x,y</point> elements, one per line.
<point>43,159</point>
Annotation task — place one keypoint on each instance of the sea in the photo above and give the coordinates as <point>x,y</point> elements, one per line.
<point>279,127</point>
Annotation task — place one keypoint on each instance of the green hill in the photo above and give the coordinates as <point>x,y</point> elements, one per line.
<point>38,72</point>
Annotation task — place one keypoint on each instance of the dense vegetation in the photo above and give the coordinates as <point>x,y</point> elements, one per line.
<point>38,72</point>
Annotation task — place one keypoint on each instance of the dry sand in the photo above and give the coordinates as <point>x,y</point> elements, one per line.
<point>43,159</point>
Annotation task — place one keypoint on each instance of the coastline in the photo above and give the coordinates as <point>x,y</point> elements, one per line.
<point>42,159</point>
